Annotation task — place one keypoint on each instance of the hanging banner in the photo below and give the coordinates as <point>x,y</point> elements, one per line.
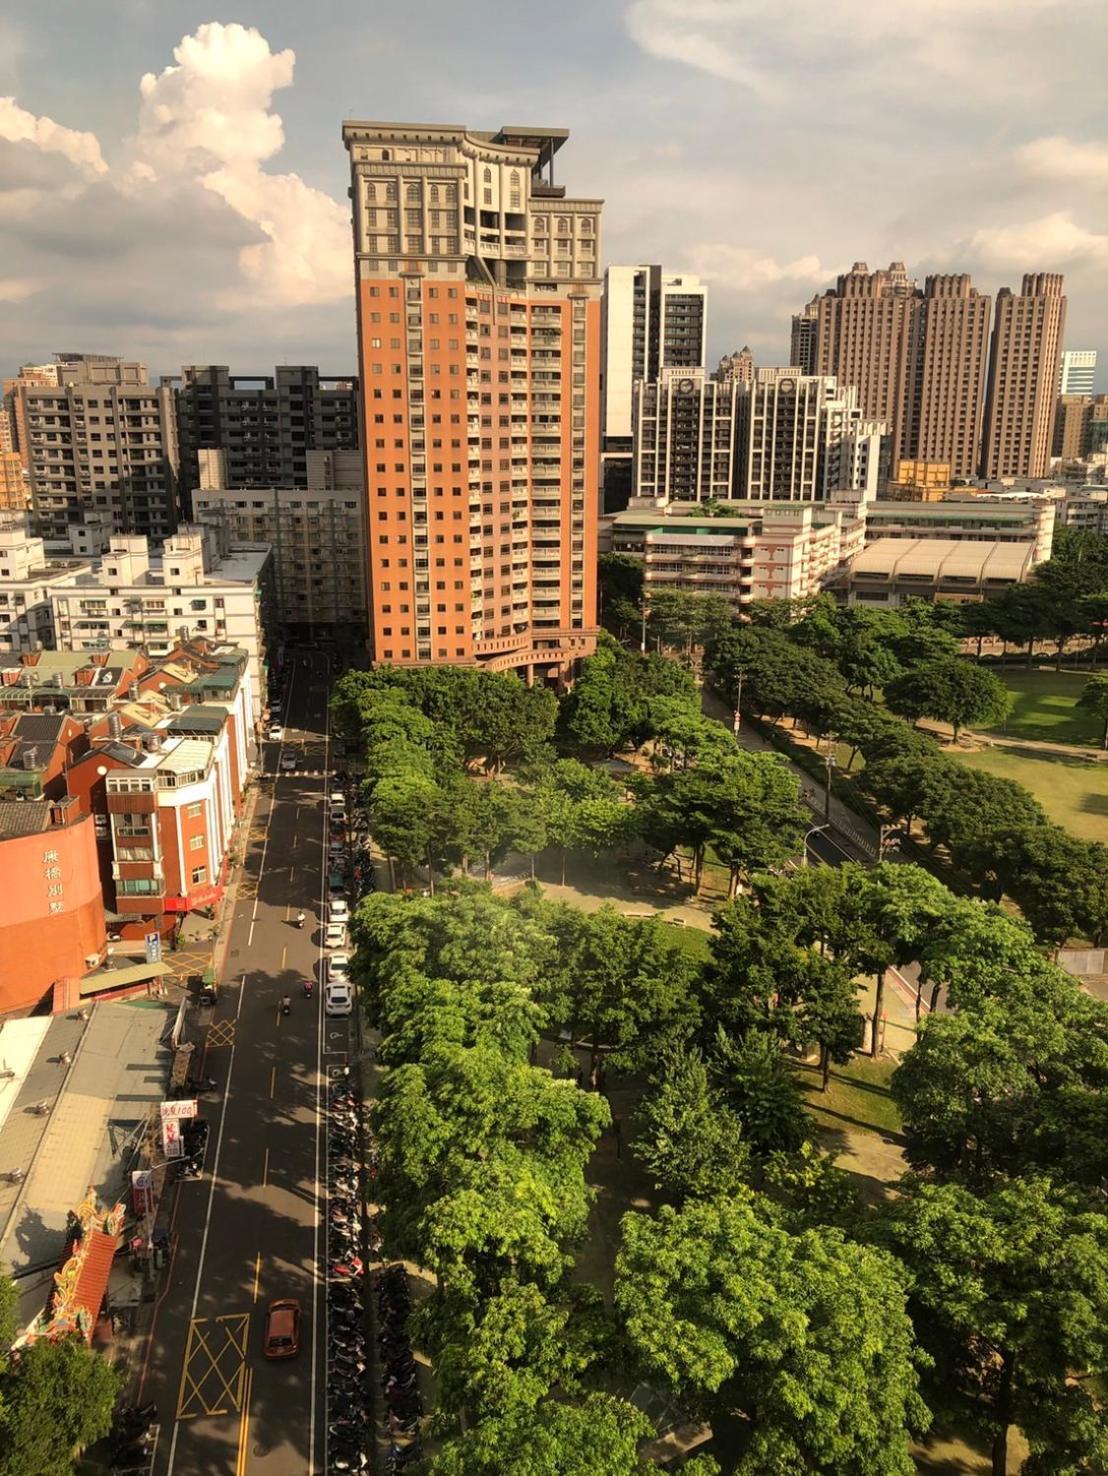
<point>142,1193</point>
<point>172,1115</point>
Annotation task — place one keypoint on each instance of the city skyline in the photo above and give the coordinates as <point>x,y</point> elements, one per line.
<point>114,189</point>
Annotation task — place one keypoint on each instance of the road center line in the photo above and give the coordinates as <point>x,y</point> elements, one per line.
<point>208,1211</point>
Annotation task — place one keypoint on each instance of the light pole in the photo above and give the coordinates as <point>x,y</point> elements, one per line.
<point>737,722</point>
<point>829,765</point>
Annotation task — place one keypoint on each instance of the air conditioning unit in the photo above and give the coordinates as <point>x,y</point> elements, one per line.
<point>91,960</point>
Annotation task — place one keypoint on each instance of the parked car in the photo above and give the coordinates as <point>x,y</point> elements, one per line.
<point>338,967</point>
<point>338,909</point>
<point>288,761</point>
<point>334,935</point>
<point>282,1328</point>
<point>276,732</point>
<point>339,998</point>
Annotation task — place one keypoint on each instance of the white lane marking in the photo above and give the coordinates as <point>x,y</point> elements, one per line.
<point>265,842</point>
<point>211,1198</point>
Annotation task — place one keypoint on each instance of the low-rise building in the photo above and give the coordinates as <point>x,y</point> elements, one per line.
<point>966,517</point>
<point>317,535</point>
<point>918,481</point>
<point>36,749</point>
<point>51,907</point>
<point>890,571</point>
<point>744,552</point>
<point>130,597</point>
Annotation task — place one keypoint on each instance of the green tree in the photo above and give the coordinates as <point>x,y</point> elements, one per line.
<point>620,580</point>
<point>558,1439</point>
<point>761,1087</point>
<point>1094,699</point>
<point>1011,1288</point>
<point>56,1398</point>
<point>687,1138</point>
<point>952,691</point>
<point>806,1336</point>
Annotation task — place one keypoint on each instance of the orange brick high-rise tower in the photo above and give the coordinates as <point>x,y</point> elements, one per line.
<point>478,301</point>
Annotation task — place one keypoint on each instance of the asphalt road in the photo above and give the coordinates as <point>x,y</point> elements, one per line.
<point>250,1229</point>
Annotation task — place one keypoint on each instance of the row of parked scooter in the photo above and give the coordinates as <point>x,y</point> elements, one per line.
<point>133,1439</point>
<point>350,1417</point>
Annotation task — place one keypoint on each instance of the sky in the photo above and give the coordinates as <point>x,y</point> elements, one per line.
<point>173,182</point>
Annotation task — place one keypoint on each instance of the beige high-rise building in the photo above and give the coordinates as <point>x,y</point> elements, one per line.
<point>102,439</point>
<point>738,366</point>
<point>860,331</point>
<point>478,298</point>
<point>1073,416</point>
<point>1023,377</point>
<point>948,353</point>
<point>917,359</point>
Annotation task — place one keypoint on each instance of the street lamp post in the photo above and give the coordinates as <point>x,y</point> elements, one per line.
<point>808,835</point>
<point>828,764</point>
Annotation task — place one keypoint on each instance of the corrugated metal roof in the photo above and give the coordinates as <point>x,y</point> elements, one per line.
<point>121,977</point>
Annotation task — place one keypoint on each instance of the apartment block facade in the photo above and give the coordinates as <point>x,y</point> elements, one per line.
<point>30,376</point>
<point>1023,378</point>
<point>102,438</point>
<point>317,534</point>
<point>265,426</point>
<point>917,358</point>
<point>478,300</point>
<point>650,320</point>
<point>1077,375</point>
<point>781,436</point>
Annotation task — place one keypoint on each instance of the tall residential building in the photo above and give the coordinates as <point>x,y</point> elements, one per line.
<point>1075,417</point>
<point>478,298</point>
<point>264,425</point>
<point>651,320</point>
<point>33,376</point>
<point>102,438</point>
<point>1078,372</point>
<point>1023,378</point>
<point>684,437</point>
<point>803,437</point>
<point>860,331</point>
<point>784,436</point>
<point>917,359</point>
<point>948,352</point>
<point>738,366</point>
<point>317,534</point>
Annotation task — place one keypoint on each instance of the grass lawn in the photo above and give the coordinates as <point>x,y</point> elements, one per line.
<point>693,941</point>
<point>857,1096</point>
<point>1074,793</point>
<point>1045,706</point>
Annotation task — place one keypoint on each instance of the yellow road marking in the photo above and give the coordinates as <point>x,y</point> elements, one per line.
<point>257,1274</point>
<point>284,954</point>
<point>272,1080</point>
<point>265,1170</point>
<point>221,1033</point>
<point>244,1431</point>
<point>214,1368</point>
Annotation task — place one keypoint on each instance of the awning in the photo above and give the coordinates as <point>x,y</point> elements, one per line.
<point>121,978</point>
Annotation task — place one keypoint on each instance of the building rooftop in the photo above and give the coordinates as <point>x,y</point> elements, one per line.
<point>945,558</point>
<point>185,756</point>
<point>23,817</point>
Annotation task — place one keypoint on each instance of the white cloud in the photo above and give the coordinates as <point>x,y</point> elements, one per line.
<point>1060,159</point>
<point>1047,244</point>
<point>209,118</point>
<point>81,149</point>
<point>740,268</point>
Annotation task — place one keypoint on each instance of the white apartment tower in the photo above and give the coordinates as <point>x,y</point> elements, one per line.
<point>1078,372</point>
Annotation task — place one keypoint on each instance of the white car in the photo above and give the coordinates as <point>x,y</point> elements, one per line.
<point>338,967</point>
<point>339,910</point>
<point>276,732</point>
<point>338,998</point>
<point>288,761</point>
<point>334,936</point>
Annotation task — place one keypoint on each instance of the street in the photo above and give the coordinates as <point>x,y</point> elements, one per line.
<point>249,1229</point>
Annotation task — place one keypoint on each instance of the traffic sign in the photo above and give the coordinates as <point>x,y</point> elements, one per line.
<point>153,948</point>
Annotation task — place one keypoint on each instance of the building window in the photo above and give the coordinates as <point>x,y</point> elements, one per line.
<point>199,875</point>
<point>196,843</point>
<point>195,810</point>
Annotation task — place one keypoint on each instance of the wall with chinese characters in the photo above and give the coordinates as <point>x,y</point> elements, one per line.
<point>51,910</point>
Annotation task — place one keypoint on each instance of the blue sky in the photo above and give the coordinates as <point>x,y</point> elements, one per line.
<point>173,183</point>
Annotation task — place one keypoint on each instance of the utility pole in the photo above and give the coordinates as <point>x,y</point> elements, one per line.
<point>737,721</point>
<point>827,760</point>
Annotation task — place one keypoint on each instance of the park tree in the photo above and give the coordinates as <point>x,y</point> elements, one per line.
<point>1094,616</point>
<point>558,1438</point>
<point>1021,616</point>
<point>1093,699</point>
<point>950,690</point>
<point>1010,1296</point>
<point>761,1088</point>
<point>620,583</point>
<point>404,815</point>
<point>687,1138</point>
<point>56,1398</point>
<point>804,1336</point>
